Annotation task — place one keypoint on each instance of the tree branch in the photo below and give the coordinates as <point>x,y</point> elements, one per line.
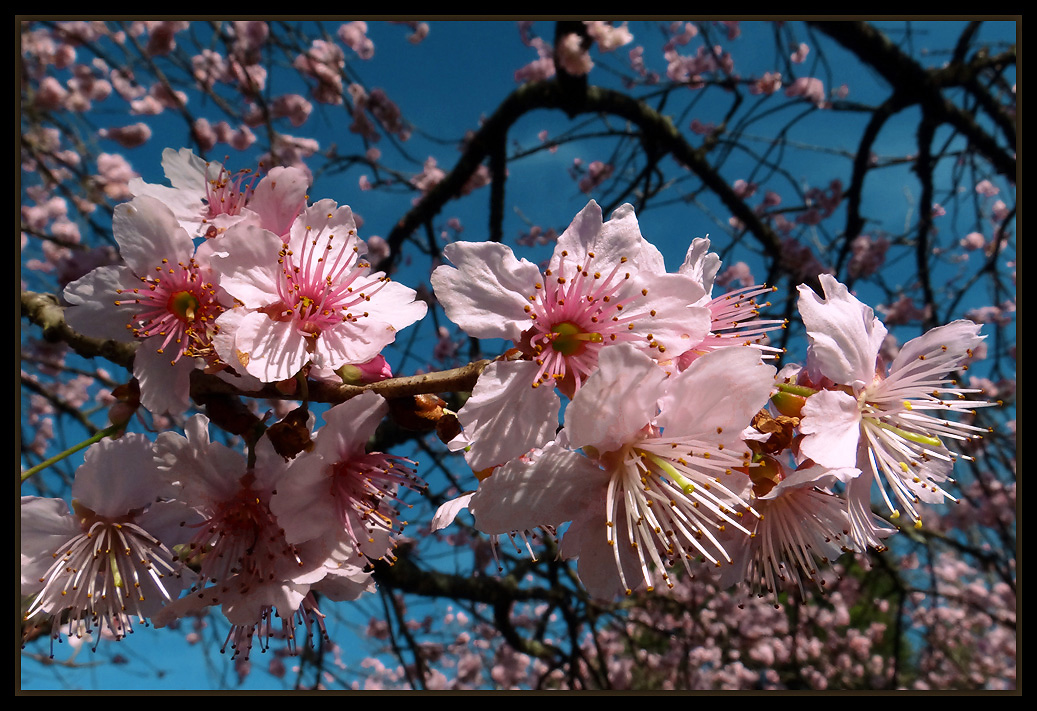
<point>910,79</point>
<point>658,129</point>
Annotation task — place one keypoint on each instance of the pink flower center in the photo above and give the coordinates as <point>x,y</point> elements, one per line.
<point>323,285</point>
<point>177,306</point>
<point>242,538</point>
<point>364,487</point>
<point>184,305</point>
<point>575,311</point>
<point>227,194</point>
<point>103,575</point>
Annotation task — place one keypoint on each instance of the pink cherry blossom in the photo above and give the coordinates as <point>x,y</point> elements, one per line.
<point>608,36</point>
<point>869,254</point>
<point>656,481</point>
<point>767,84</point>
<point>292,106</point>
<point>341,494</point>
<point>309,298</point>
<point>419,30</point>
<point>597,173</point>
<point>114,175</point>
<point>207,199</point>
<point>161,35</point>
<point>110,561</point>
<point>128,136</point>
<point>572,56</point>
<point>165,296</point>
<point>354,36</point>
<point>430,176</point>
<point>246,566</point>
<point>874,418</point>
<point>986,188</point>
<point>541,68</point>
<point>325,62</point>
<point>605,284</point>
<point>809,88</point>
<point>734,316</point>
<point>973,240</point>
<point>802,523</point>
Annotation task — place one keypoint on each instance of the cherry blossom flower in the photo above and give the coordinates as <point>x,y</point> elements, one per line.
<point>734,316</point>
<point>354,35</point>
<point>114,174</point>
<point>246,565</point>
<point>605,284</point>
<point>342,494</point>
<point>419,30</point>
<point>292,106</point>
<point>164,296</point>
<point>810,88</point>
<point>128,136</point>
<point>207,199</point>
<point>656,481</point>
<point>801,523</point>
<point>607,36</point>
<point>767,84</point>
<point>325,62</point>
<point>973,240</point>
<point>110,561</point>
<point>869,254</point>
<point>597,173</point>
<point>430,176</point>
<point>874,418</point>
<point>307,299</point>
<point>572,56</point>
<point>986,188</point>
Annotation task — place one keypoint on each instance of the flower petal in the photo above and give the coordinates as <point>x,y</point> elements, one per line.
<point>506,416</point>
<point>487,291</point>
<point>617,401</point>
<point>716,397</point>
<point>148,233</point>
<point>831,429</point>
<point>548,489</point>
<point>97,308</point>
<point>844,334</point>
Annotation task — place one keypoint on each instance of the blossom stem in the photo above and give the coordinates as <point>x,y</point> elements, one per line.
<point>93,439</point>
<point>911,436</point>
<point>686,486</point>
<point>800,390</point>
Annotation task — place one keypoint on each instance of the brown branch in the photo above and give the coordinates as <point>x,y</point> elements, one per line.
<point>44,311</point>
<point>918,85</point>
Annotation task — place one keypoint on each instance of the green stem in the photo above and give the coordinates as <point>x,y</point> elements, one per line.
<point>801,390</point>
<point>679,479</point>
<point>916,437</point>
<point>96,437</point>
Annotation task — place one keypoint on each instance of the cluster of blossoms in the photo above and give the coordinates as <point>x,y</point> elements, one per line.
<point>237,276</point>
<point>680,444</point>
<point>164,530</point>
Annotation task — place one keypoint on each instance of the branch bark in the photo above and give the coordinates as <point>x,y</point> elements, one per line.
<point>44,311</point>
<point>917,85</point>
